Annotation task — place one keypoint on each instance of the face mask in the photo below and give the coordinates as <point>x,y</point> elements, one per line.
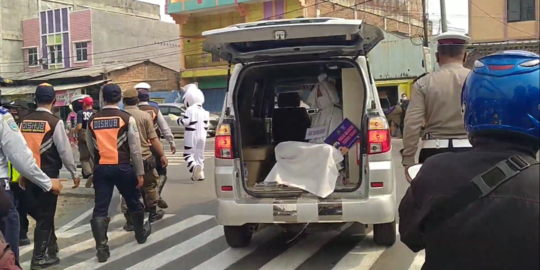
<point>403,98</point>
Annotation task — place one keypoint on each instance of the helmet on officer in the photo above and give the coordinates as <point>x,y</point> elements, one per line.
<point>451,45</point>
<point>501,98</point>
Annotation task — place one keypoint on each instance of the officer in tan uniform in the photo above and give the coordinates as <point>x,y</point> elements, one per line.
<point>147,134</point>
<point>436,100</point>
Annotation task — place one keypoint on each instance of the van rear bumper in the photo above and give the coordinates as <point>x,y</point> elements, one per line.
<point>375,210</point>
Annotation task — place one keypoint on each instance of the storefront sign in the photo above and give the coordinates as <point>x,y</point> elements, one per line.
<point>63,98</point>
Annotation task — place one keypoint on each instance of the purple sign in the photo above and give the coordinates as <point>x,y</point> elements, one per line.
<point>344,136</point>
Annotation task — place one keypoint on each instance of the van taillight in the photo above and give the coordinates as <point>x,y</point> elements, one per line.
<point>223,147</point>
<point>379,138</point>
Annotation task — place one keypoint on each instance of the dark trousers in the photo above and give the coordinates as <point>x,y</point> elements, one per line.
<point>42,204</point>
<point>160,169</point>
<point>9,225</point>
<point>426,153</point>
<point>22,208</point>
<point>106,177</point>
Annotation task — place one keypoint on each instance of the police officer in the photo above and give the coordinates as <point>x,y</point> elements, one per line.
<point>479,210</point>
<point>80,129</point>
<point>161,126</point>
<point>148,135</point>
<point>19,108</point>
<point>114,143</point>
<point>436,99</point>
<point>45,135</point>
<point>13,147</point>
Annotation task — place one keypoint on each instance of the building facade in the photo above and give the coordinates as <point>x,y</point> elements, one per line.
<point>13,12</point>
<point>400,17</point>
<point>497,25</point>
<point>68,38</point>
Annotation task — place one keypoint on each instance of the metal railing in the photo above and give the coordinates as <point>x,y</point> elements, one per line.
<point>203,60</point>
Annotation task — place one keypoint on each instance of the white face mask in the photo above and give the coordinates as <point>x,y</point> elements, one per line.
<point>404,98</point>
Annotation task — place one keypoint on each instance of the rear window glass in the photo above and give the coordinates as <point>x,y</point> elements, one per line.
<point>341,40</point>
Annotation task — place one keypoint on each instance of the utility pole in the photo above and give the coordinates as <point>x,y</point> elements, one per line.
<point>444,27</point>
<point>426,24</point>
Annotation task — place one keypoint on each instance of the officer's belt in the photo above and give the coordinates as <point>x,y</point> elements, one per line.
<point>444,143</point>
<point>479,187</point>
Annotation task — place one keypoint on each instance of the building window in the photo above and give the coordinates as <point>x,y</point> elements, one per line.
<point>81,51</point>
<point>55,55</point>
<point>33,57</point>
<point>521,10</point>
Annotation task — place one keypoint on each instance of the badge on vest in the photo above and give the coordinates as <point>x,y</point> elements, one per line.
<point>105,123</point>
<point>11,122</point>
<point>33,127</point>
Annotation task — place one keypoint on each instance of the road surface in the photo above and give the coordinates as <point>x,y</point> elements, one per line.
<point>189,238</point>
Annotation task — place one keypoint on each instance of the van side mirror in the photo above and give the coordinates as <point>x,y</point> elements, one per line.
<point>413,171</point>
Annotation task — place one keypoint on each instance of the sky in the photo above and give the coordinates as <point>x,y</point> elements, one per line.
<point>456,13</point>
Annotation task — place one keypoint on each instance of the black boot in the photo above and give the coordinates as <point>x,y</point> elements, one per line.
<point>99,230</point>
<point>53,247</point>
<point>142,229</point>
<point>129,225</point>
<point>40,258</point>
<point>23,239</point>
<point>155,214</point>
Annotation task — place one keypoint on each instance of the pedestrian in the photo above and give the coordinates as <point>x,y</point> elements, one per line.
<point>19,109</point>
<point>436,99</point>
<point>44,133</point>
<point>80,129</point>
<point>162,128</point>
<point>196,122</point>
<point>394,116</point>
<point>480,209</point>
<point>148,137</point>
<point>14,148</point>
<point>114,144</point>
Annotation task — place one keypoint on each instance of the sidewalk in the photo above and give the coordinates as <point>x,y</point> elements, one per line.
<point>81,191</point>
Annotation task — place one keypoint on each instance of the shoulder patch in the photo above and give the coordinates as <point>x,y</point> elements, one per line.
<point>11,122</point>
<point>419,77</point>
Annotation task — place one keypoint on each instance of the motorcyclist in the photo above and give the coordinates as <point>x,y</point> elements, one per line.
<point>489,222</point>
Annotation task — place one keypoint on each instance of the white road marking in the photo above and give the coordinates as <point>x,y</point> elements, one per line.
<point>231,255</point>
<point>179,250</point>
<point>361,257</point>
<point>133,246</point>
<point>88,244</point>
<point>300,252</point>
<point>418,261</point>
<point>72,223</point>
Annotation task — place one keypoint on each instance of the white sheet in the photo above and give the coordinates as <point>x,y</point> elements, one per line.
<point>311,167</point>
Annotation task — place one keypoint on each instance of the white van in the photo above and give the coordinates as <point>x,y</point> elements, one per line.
<point>276,57</point>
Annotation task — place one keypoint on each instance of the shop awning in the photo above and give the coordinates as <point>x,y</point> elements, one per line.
<point>30,89</point>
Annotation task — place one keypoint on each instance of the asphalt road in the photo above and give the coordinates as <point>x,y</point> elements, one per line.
<point>189,238</point>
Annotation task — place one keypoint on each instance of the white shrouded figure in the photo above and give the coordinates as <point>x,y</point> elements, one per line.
<point>324,97</point>
<point>195,120</point>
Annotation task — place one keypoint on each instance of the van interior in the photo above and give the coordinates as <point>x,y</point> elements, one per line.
<point>270,108</point>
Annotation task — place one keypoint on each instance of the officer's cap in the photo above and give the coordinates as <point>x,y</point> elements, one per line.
<point>19,103</point>
<point>111,91</point>
<point>131,93</point>
<point>452,38</point>
<point>45,93</point>
<point>143,95</point>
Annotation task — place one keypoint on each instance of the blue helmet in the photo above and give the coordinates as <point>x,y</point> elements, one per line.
<point>502,94</point>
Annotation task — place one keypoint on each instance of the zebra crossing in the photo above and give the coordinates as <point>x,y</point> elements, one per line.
<point>196,242</point>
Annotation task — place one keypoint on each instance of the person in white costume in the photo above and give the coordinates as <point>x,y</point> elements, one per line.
<point>196,122</point>
<point>324,96</point>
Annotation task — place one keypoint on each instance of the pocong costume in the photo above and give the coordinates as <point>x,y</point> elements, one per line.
<point>196,122</point>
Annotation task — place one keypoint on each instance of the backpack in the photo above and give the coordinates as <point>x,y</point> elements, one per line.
<point>404,105</point>
<point>7,257</point>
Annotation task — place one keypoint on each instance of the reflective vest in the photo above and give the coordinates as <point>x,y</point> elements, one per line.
<point>13,174</point>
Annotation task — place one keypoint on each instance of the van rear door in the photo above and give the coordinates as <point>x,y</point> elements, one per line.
<point>275,40</point>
